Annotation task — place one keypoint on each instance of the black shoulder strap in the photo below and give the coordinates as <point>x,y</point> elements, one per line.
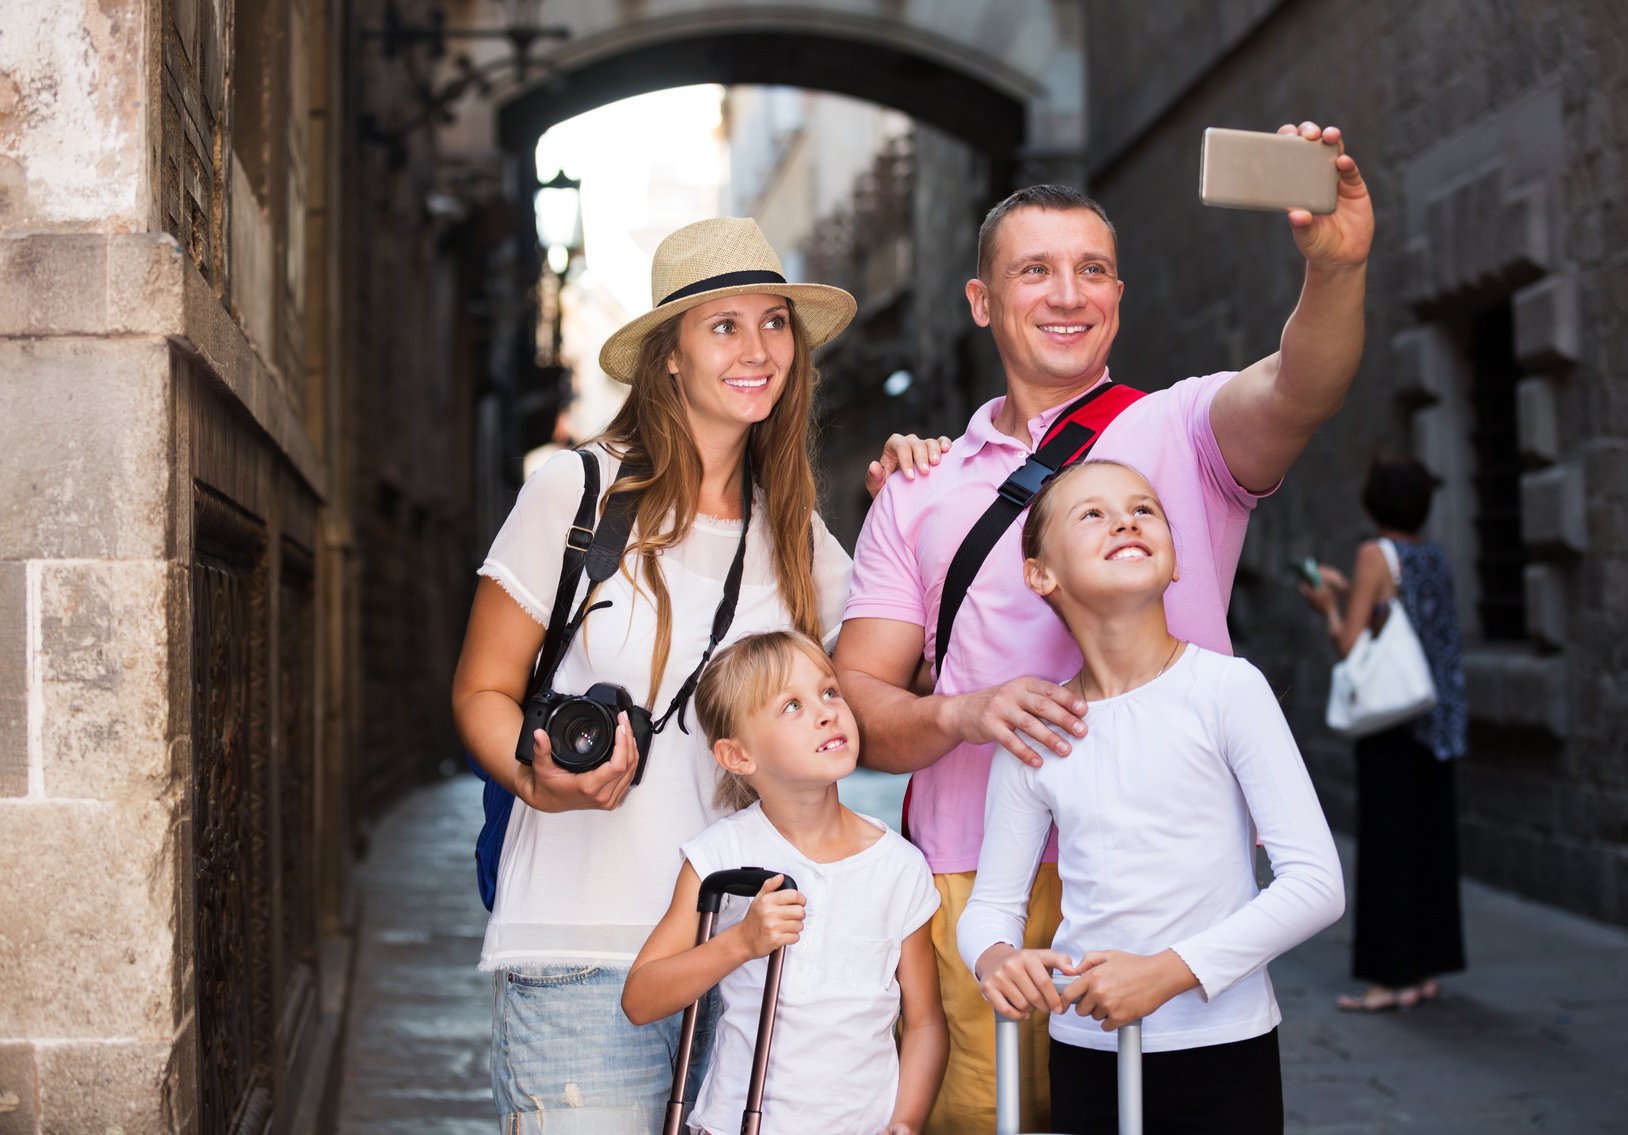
<point>599,549</point>
<point>1069,440</point>
<point>586,545</point>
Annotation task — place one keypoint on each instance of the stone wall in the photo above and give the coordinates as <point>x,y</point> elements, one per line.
<point>1490,136</point>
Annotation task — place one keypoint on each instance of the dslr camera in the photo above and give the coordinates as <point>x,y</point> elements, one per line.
<point>582,728</point>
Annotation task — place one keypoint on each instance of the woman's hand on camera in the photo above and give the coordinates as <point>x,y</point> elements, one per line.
<point>547,787</point>
<point>904,453</point>
<point>774,919</point>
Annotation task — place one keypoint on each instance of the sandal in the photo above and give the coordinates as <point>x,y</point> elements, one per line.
<point>1379,999</point>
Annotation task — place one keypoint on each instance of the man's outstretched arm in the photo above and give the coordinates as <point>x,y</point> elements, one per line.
<point>1266,414</point>
<point>901,731</point>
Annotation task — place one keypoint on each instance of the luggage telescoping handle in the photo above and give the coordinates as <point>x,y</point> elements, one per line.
<point>745,882</point>
<point>1007,1078</point>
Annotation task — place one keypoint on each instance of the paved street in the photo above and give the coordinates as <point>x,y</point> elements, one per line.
<point>1532,1037</point>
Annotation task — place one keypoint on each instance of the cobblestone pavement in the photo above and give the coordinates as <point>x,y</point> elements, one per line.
<point>1533,1037</point>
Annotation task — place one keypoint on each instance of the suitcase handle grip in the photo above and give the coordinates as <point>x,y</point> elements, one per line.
<point>743,881</point>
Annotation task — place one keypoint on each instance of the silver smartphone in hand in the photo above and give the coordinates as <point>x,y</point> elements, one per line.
<point>1246,169</point>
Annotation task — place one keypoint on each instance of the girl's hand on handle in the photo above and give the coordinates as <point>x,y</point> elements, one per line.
<point>774,919</point>
<point>904,453</point>
<point>1017,982</point>
<point>1117,988</point>
<point>899,1129</point>
<point>547,787</point>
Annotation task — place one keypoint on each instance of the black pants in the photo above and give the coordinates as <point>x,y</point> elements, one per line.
<point>1407,924</point>
<point>1221,1089</point>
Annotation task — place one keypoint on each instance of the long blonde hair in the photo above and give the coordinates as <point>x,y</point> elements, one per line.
<point>653,430</point>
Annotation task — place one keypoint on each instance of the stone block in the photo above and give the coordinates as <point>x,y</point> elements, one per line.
<point>1537,420</point>
<point>146,284</point>
<point>1546,605</point>
<point>1554,510</point>
<point>19,1090</point>
<point>86,429</point>
<point>1517,688</point>
<point>116,1087</point>
<point>14,753</point>
<point>53,283</point>
<point>1547,325</point>
<point>1421,365</point>
<point>104,671</point>
<point>87,941</point>
<point>1433,441</point>
<point>1528,233</point>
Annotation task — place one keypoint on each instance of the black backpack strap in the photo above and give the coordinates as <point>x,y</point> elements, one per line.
<point>587,546</point>
<point>599,550</point>
<point>1067,442</point>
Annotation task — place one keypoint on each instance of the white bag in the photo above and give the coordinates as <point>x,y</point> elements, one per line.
<point>1385,680</point>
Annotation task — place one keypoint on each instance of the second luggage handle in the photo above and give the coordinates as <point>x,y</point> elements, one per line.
<point>745,882</point>
<point>1008,1093</point>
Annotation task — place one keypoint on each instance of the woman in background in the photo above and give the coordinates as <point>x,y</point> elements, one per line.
<point>1408,926</point>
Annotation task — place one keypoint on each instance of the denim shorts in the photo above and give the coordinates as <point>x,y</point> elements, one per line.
<point>565,1061</point>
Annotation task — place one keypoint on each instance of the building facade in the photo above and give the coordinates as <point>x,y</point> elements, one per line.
<point>1490,135</point>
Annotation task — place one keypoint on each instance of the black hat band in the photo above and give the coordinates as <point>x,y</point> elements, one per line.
<point>726,280</point>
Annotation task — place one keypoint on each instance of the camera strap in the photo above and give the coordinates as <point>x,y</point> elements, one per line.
<point>1067,442</point>
<point>725,614</point>
<point>598,549</point>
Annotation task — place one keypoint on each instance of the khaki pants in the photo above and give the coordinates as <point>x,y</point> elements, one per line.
<point>966,1102</point>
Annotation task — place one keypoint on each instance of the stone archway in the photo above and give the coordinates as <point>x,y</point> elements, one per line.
<point>1006,79</point>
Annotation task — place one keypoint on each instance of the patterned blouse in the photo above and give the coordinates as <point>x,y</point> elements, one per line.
<point>1427,593</point>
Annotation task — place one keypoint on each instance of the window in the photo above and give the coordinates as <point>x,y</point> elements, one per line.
<point>1500,557</point>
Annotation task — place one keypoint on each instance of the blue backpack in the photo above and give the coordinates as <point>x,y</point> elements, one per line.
<point>497,801</point>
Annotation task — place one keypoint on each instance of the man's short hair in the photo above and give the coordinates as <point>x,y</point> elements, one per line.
<point>1055,197</point>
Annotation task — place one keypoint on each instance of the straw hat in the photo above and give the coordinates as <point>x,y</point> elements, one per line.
<point>725,256</point>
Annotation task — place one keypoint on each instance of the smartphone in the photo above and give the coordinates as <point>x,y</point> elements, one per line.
<point>1246,169</point>
<point>1307,570</point>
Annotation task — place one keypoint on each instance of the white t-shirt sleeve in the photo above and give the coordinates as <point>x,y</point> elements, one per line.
<point>832,572</point>
<point>525,556</point>
<point>717,848</point>
<point>1307,892</point>
<point>1017,821</point>
<point>917,896</point>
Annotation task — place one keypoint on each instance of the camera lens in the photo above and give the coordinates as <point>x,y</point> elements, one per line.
<point>582,735</point>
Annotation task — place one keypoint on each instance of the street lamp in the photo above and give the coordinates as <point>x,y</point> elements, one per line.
<point>559,220</point>
<point>558,205</point>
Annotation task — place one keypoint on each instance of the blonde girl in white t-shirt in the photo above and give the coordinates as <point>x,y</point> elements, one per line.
<point>860,958</point>
<point>1157,808</point>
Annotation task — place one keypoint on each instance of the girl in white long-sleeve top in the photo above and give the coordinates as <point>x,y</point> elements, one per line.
<point>1186,760</point>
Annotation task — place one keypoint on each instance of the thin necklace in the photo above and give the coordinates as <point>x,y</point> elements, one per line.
<point>1079,679</point>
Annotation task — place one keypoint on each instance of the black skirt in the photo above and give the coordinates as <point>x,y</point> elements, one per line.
<point>1408,926</point>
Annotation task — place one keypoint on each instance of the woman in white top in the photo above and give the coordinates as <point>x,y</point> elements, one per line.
<point>1157,810</point>
<point>720,372</point>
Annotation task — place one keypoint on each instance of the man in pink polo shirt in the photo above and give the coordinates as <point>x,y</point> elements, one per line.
<point>1048,289</point>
